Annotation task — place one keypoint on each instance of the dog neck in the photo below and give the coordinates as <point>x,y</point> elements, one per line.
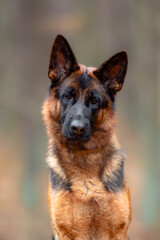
<point>68,161</point>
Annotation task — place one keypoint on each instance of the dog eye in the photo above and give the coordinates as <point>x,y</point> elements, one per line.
<point>67,96</point>
<point>94,100</point>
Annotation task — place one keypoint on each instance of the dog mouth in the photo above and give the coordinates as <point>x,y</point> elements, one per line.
<point>76,138</point>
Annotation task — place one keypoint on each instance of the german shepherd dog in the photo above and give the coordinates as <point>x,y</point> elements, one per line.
<point>88,193</point>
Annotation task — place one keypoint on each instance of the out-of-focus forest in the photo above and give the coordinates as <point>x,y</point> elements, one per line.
<point>96,30</point>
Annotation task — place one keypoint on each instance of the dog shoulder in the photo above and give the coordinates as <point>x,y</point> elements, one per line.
<point>113,174</point>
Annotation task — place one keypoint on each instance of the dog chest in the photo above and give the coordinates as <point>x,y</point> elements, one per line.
<point>88,210</point>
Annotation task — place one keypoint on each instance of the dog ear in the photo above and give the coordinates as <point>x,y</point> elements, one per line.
<point>112,72</point>
<point>62,60</point>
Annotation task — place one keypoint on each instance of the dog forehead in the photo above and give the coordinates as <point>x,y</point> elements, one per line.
<point>85,76</point>
<point>82,79</point>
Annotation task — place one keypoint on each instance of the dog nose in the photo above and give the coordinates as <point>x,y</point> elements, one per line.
<point>78,127</point>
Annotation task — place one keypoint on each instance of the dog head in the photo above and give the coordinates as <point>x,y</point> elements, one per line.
<point>80,106</point>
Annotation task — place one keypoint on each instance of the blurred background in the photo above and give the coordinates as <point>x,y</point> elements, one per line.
<point>95,30</point>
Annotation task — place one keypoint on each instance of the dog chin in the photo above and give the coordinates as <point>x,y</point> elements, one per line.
<point>74,138</point>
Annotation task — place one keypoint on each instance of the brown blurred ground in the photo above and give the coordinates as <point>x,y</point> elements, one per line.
<point>96,30</point>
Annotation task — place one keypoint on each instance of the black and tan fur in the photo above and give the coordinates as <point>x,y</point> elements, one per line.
<point>88,193</point>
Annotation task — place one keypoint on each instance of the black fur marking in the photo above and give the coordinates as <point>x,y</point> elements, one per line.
<point>111,95</point>
<point>53,84</point>
<point>58,183</point>
<point>57,95</point>
<point>68,90</point>
<point>105,104</point>
<point>116,182</point>
<point>84,80</point>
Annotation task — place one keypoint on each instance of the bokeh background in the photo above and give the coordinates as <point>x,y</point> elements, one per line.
<point>96,30</point>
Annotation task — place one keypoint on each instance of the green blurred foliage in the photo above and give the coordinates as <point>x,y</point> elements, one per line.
<point>96,30</point>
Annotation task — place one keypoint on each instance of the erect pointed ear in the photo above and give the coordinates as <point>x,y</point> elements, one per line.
<point>112,72</point>
<point>62,60</point>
